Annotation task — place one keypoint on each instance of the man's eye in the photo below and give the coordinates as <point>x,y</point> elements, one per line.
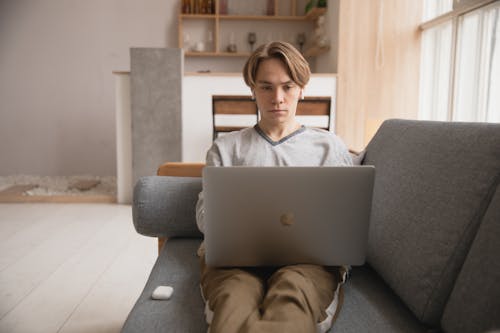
<point>266,88</point>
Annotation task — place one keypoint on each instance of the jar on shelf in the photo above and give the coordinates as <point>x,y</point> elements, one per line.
<point>186,7</point>
<point>210,6</point>
<point>270,7</point>
<point>223,7</point>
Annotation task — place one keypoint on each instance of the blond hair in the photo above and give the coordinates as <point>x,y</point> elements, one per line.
<point>297,66</point>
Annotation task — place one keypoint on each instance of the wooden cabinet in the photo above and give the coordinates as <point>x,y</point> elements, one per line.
<point>224,33</point>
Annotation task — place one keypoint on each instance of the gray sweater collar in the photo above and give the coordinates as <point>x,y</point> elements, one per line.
<point>275,143</point>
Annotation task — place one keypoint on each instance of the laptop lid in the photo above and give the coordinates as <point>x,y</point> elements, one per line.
<point>271,216</point>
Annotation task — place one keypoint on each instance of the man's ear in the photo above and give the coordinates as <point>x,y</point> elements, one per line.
<point>302,93</point>
<point>253,94</point>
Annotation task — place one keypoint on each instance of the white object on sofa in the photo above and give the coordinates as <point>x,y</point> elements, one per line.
<point>162,293</point>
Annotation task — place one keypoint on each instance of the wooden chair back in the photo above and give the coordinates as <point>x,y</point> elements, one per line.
<point>316,106</point>
<point>232,105</point>
<point>245,105</point>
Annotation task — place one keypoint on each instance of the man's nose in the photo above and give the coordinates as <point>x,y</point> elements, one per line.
<point>278,96</point>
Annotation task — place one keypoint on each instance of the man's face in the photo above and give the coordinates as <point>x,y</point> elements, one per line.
<point>276,94</point>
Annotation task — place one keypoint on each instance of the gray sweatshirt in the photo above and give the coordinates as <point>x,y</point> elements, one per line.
<point>252,147</point>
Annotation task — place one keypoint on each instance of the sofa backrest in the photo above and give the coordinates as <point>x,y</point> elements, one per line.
<point>474,304</point>
<point>434,182</point>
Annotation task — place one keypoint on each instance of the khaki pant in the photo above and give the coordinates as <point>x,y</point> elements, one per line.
<point>296,298</point>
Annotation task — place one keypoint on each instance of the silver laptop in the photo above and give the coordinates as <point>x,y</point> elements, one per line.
<point>272,216</point>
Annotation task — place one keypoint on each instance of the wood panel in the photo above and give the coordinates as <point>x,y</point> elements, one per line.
<point>240,105</point>
<point>72,268</point>
<point>46,256</point>
<point>237,105</point>
<point>314,106</point>
<point>378,66</point>
<point>95,198</point>
<point>234,105</point>
<point>180,169</point>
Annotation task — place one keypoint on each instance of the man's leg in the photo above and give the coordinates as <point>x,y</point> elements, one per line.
<point>299,297</point>
<point>233,297</point>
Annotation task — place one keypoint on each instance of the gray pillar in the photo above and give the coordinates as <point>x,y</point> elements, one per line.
<point>156,90</point>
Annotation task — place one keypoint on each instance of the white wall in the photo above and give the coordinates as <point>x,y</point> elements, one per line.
<point>57,108</point>
<point>56,83</point>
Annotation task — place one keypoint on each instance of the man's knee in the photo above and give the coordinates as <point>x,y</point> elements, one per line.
<point>296,276</point>
<point>306,284</point>
<point>236,284</point>
<point>319,276</point>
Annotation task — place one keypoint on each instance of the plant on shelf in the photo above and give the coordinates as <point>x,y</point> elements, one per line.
<point>315,4</point>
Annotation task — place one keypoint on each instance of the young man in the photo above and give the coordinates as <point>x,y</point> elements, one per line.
<point>295,298</point>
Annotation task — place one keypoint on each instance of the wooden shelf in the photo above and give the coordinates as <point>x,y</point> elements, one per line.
<point>233,54</point>
<point>215,20</point>
<point>216,54</point>
<point>198,16</point>
<point>316,51</point>
<point>312,15</point>
<point>200,54</point>
<point>262,18</point>
<point>243,17</point>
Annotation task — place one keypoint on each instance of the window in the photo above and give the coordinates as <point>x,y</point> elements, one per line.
<point>460,66</point>
<point>435,8</point>
<point>435,72</point>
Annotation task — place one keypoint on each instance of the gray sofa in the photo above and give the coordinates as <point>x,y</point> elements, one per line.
<point>434,237</point>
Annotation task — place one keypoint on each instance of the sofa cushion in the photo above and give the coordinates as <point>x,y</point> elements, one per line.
<point>371,306</point>
<point>433,183</point>
<point>165,206</point>
<point>368,302</point>
<point>474,304</point>
<point>177,266</point>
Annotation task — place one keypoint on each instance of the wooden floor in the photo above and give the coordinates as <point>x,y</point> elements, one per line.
<point>70,267</point>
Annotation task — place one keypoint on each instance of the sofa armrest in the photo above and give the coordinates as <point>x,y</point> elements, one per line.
<point>165,206</point>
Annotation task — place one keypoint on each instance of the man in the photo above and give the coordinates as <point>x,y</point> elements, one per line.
<point>295,298</point>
